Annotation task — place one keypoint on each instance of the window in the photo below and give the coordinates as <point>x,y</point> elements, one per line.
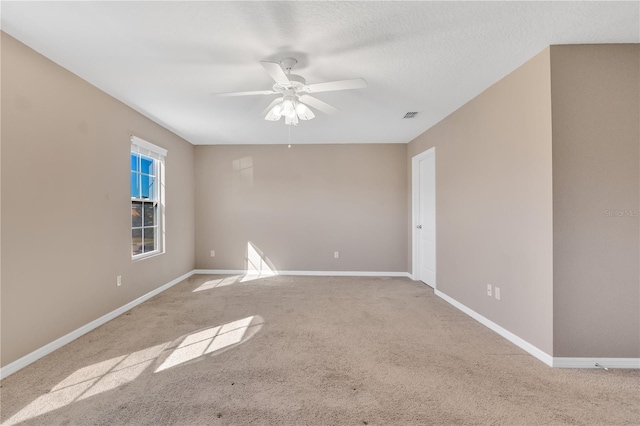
<point>147,198</point>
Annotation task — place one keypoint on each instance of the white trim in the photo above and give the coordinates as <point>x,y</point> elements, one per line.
<point>219,271</point>
<point>306,273</point>
<point>151,148</point>
<point>20,363</point>
<point>145,255</point>
<point>415,186</point>
<point>521,343</point>
<point>158,154</point>
<point>566,362</point>
<point>556,362</point>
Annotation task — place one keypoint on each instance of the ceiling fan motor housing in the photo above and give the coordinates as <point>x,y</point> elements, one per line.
<point>296,84</point>
<point>288,63</point>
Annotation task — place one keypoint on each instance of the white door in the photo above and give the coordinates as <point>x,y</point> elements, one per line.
<point>424,205</point>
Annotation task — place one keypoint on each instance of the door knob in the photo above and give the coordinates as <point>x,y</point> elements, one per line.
<point>419,226</point>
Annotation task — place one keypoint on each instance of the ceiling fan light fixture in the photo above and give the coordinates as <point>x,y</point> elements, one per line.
<point>303,112</point>
<point>288,108</point>
<point>274,113</point>
<point>291,121</point>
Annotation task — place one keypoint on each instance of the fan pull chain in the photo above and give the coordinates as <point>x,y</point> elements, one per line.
<point>289,136</point>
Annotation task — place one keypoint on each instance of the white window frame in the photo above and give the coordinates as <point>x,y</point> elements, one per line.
<point>158,154</point>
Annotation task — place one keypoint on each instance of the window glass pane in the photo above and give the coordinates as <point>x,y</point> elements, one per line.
<point>149,239</point>
<point>136,241</point>
<point>135,185</point>
<point>134,162</point>
<point>147,166</point>
<point>148,187</point>
<point>149,214</point>
<point>145,206</point>
<point>136,214</point>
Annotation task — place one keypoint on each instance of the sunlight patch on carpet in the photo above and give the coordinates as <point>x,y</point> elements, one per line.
<point>222,282</point>
<point>89,381</point>
<point>112,373</point>
<point>207,341</point>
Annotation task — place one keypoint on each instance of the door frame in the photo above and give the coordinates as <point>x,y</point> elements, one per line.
<point>415,188</point>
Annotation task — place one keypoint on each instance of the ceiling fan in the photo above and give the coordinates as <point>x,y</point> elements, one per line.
<point>295,93</point>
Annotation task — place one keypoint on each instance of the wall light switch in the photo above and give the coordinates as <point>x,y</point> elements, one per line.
<point>489,293</point>
<point>213,253</point>
<point>119,280</point>
<point>498,293</point>
<point>336,254</point>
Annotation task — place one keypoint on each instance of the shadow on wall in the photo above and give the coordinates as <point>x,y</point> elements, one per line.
<point>243,171</point>
<point>110,374</point>
<point>256,264</point>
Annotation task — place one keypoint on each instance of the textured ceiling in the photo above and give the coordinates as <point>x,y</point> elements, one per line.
<point>165,58</point>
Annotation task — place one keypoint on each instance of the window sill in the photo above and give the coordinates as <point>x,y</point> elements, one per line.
<point>146,255</point>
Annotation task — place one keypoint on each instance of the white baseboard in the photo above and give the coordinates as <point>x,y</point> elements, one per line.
<point>557,362</point>
<point>20,363</point>
<point>567,362</point>
<point>219,272</point>
<point>306,273</point>
<point>521,343</point>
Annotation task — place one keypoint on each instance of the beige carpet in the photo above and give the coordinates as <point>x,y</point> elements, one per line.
<point>307,350</point>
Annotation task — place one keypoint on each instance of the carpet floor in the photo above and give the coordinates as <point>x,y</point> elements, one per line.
<point>306,351</point>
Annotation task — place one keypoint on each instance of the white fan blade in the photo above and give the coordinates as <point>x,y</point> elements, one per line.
<point>275,71</point>
<point>318,104</point>
<point>356,83</point>
<point>271,105</point>
<point>254,92</point>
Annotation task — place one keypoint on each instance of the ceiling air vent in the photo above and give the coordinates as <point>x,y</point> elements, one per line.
<point>410,114</point>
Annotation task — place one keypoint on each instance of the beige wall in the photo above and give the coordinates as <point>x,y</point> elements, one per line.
<point>66,206</point>
<point>595,104</point>
<point>298,205</point>
<point>494,202</point>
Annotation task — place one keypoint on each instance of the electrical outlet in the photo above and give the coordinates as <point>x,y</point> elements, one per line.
<point>336,254</point>
<point>213,253</point>
<point>497,293</point>
<point>489,293</point>
<point>119,280</point>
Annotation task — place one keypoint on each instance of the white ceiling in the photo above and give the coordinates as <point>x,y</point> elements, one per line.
<point>165,58</point>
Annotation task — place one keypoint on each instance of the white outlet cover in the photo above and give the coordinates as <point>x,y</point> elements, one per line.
<point>498,293</point>
<point>213,253</point>
<point>336,254</point>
